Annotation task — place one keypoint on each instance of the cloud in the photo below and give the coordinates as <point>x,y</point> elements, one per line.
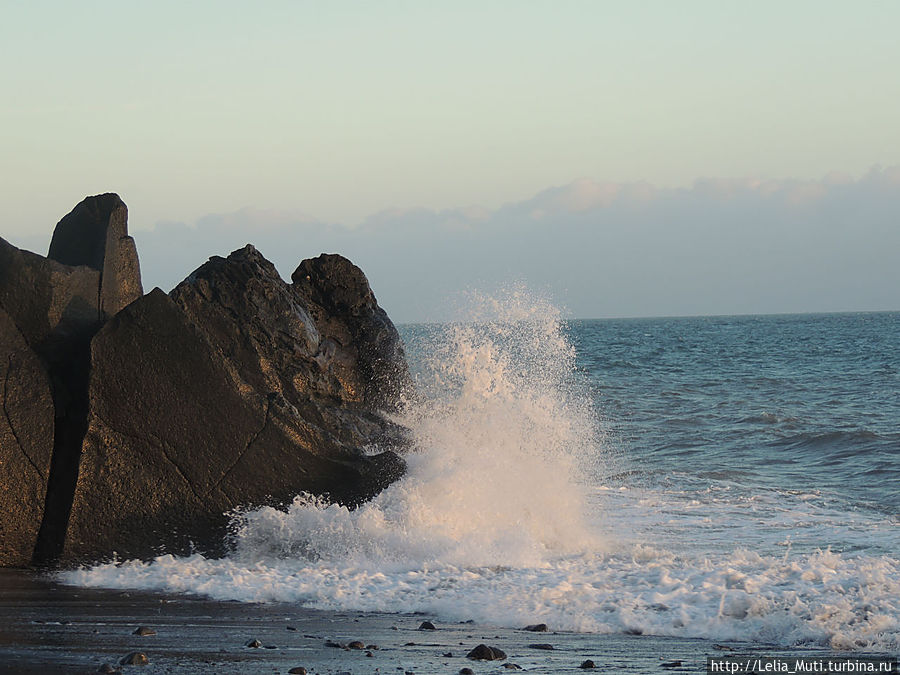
<point>720,246</point>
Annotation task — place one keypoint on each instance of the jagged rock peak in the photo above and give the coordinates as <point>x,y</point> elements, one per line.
<point>95,234</point>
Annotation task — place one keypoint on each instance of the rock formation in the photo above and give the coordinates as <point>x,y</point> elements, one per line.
<point>145,419</point>
<point>26,443</point>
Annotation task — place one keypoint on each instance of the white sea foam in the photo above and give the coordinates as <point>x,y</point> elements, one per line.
<point>496,521</point>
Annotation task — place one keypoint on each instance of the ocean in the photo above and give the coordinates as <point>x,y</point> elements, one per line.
<point>725,478</point>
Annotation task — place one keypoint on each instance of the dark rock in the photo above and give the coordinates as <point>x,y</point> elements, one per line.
<point>107,669</point>
<point>427,625</point>
<point>670,664</point>
<point>290,628</point>
<point>484,653</point>
<point>373,647</point>
<point>135,659</point>
<point>144,631</point>
<point>335,645</point>
<point>26,444</point>
<point>132,423</point>
<point>356,644</point>
<point>254,644</point>
<point>299,670</point>
<point>541,645</point>
<point>466,671</point>
<point>357,340</point>
<point>512,666</point>
<point>58,303</point>
<point>95,234</point>
<point>537,628</point>
<point>155,379</point>
<point>370,654</point>
<point>587,664</point>
<point>56,310</point>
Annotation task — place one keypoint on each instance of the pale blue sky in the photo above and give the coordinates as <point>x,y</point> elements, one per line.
<point>340,110</point>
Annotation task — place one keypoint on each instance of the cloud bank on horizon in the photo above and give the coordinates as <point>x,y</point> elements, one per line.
<point>721,246</point>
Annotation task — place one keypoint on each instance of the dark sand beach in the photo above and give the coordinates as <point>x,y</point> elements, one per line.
<point>46,627</point>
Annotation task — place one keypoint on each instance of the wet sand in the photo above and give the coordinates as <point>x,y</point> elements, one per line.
<point>47,627</point>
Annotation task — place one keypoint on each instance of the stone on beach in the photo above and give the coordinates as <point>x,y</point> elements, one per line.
<point>135,659</point>
<point>484,653</point>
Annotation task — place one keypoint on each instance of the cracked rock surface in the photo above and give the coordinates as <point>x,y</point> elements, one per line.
<point>147,418</point>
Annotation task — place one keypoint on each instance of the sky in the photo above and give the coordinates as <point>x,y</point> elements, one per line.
<point>627,158</point>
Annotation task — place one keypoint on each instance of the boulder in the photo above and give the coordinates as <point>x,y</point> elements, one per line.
<point>357,340</point>
<point>95,234</point>
<point>54,306</point>
<point>134,424</point>
<point>26,444</point>
<point>275,340</point>
<point>173,444</point>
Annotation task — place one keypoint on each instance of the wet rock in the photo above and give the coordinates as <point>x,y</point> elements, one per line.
<point>254,644</point>
<point>427,625</point>
<point>372,647</point>
<point>484,653</point>
<point>466,671</point>
<point>299,670</point>
<point>144,630</point>
<point>448,655</point>
<point>370,654</point>
<point>135,659</point>
<point>335,645</point>
<point>353,329</point>
<point>108,669</point>
<point>356,644</point>
<point>290,628</point>
<point>512,666</point>
<point>541,645</point>
<point>670,664</point>
<point>587,663</point>
<point>537,628</point>
<point>259,450</point>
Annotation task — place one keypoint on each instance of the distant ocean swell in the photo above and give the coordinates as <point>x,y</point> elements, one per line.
<point>519,507</point>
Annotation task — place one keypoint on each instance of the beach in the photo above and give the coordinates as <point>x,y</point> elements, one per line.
<point>46,627</point>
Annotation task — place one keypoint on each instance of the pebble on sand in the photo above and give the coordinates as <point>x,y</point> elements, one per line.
<point>135,659</point>
<point>484,653</point>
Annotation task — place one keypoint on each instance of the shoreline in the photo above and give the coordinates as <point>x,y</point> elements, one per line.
<point>48,627</point>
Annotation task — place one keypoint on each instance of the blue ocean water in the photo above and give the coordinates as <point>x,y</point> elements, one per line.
<point>726,478</point>
<point>761,406</point>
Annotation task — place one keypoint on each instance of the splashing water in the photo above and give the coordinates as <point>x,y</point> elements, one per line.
<point>493,478</point>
